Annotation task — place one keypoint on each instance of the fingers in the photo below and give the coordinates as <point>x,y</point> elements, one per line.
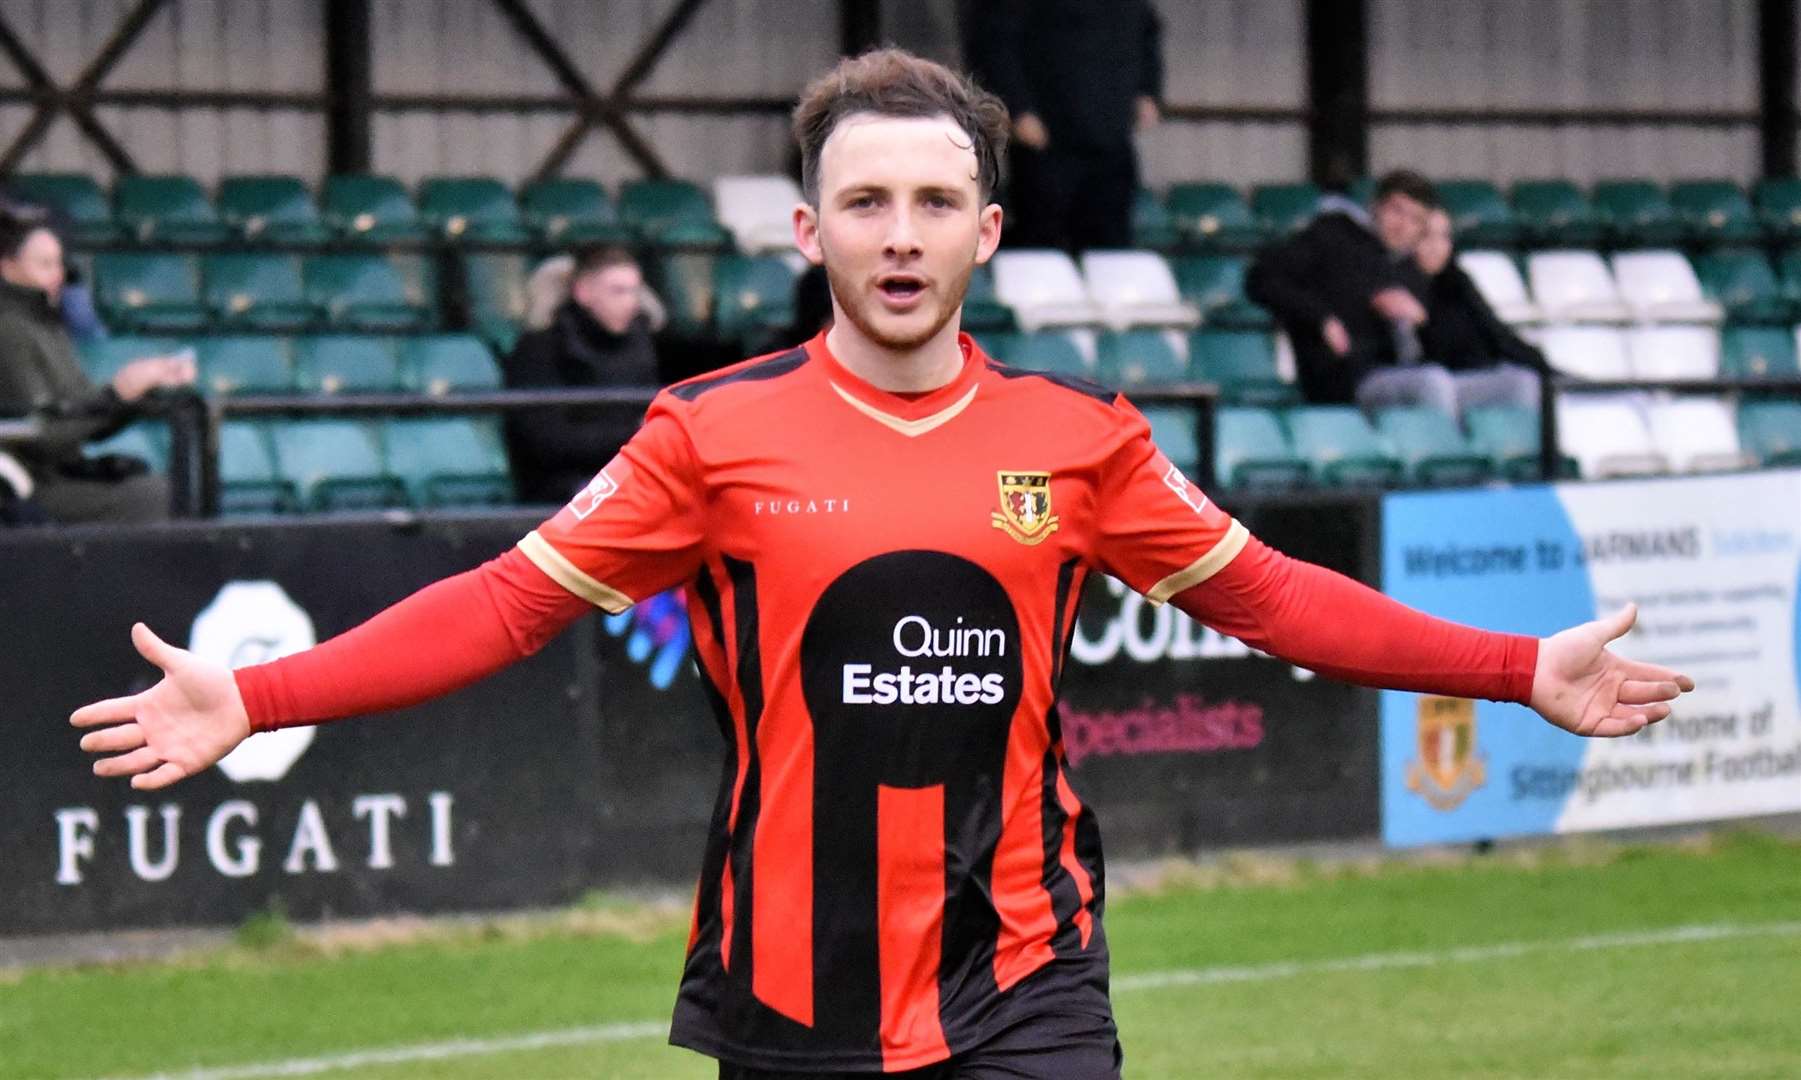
<point>113,739</point>
<point>160,777</point>
<point>1628,720</point>
<point>110,711</point>
<point>1641,692</point>
<point>1615,626</point>
<point>140,760</point>
<point>1636,670</point>
<point>153,648</point>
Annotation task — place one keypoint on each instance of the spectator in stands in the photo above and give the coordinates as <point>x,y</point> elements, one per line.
<point>1078,77</point>
<point>590,327</point>
<point>40,375</point>
<point>1488,364</point>
<point>1346,289</point>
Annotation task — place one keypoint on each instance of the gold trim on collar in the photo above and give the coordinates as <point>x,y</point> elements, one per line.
<point>910,428</point>
<point>570,576</point>
<point>1204,567</point>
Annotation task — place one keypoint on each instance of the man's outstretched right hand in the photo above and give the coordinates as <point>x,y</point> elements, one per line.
<point>185,723</point>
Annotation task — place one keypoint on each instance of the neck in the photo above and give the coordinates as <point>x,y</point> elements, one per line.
<point>932,364</point>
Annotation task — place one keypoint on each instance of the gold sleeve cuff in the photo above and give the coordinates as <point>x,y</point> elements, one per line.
<point>1204,567</point>
<point>570,576</point>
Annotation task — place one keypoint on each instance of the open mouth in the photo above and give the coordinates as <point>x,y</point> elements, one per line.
<point>900,288</point>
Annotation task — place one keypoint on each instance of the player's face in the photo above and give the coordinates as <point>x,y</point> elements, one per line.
<point>900,226</point>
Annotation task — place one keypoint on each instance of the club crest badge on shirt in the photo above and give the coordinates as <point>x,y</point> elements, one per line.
<point>599,490</point>
<point>1025,512</point>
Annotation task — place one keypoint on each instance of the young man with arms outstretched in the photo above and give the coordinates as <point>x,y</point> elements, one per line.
<point>883,535</point>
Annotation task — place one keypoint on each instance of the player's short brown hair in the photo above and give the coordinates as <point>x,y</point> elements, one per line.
<point>894,82</point>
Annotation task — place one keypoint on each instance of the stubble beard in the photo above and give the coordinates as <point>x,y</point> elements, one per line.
<point>857,308</point>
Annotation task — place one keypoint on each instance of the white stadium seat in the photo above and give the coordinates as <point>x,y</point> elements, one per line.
<point>1498,280</point>
<point>1674,352</point>
<point>1575,286</point>
<point>1661,286</point>
<point>1587,352</point>
<point>1044,289</point>
<point>1697,434</point>
<point>757,210</point>
<point>1607,435</point>
<point>1136,288</point>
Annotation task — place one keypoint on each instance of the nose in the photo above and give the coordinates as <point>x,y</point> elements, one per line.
<point>902,241</point>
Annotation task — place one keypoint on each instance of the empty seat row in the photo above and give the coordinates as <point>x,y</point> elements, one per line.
<point>1671,352</point>
<point>1636,434</point>
<point>1242,363</point>
<point>173,292</point>
<point>1582,286</point>
<point>317,363</point>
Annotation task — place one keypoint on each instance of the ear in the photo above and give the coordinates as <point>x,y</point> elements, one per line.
<point>806,233</point>
<point>988,233</point>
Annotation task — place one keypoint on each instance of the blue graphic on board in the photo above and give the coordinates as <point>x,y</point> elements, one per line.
<point>1503,560</point>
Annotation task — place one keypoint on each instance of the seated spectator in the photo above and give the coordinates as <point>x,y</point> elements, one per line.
<point>1487,362</point>
<point>40,375</point>
<point>1346,290</point>
<point>589,327</point>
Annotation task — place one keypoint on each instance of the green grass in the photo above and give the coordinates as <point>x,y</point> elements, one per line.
<point>1720,1008</point>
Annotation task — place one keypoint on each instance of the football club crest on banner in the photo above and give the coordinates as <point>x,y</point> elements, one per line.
<point>1448,768</point>
<point>1025,512</point>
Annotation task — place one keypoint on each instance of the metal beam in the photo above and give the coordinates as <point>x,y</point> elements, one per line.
<point>348,142</point>
<point>1337,89</point>
<point>859,26</point>
<point>78,99</point>
<point>1777,117</point>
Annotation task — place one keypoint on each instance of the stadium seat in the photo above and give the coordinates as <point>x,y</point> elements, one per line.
<point>1250,451</point>
<point>346,363</point>
<point>1136,288</point>
<point>1741,281</point>
<point>1575,286</point>
<point>471,209</point>
<point>982,309</point>
<point>671,213</point>
<point>495,295</point>
<point>449,461</point>
<point>1587,352</point>
<point>1284,208</point>
<point>1341,446</point>
<point>1044,289</point>
<point>1509,436</point>
<point>1778,202</point>
<point>1432,448</point>
<point>167,209</point>
<point>370,209</point>
<point>102,358</point>
<point>1771,431</point>
<point>145,291</point>
<point>1714,212</point>
<point>1674,352</point>
<point>257,291</point>
<point>1497,278</point>
<point>1215,217</point>
<point>757,210</point>
<point>1044,351</point>
<point>1173,430</point>
<point>684,279</point>
<point>1758,352</point>
<point>1697,434</point>
<point>1479,216</point>
<point>571,211</point>
<point>276,209</point>
<point>1636,213</point>
<point>335,465</point>
<point>753,298</point>
<point>1153,226</point>
<point>1127,358</point>
<point>1555,214</point>
<point>1661,286</point>
<point>363,292</point>
<point>76,197</point>
<point>145,440</point>
<point>1607,435</point>
<point>1242,363</point>
<point>1215,284</point>
<point>245,365</point>
<point>248,481</point>
<point>440,364</point>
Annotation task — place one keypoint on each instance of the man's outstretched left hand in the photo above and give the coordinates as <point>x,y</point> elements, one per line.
<point>1581,686</point>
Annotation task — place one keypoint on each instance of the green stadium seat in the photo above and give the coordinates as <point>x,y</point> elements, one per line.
<point>1778,202</point>
<point>753,298</point>
<point>471,209</point>
<point>1636,213</point>
<point>494,291</point>
<point>1432,447</point>
<point>671,213</point>
<point>245,365</point>
<point>257,291</point>
<point>145,291</point>
<point>147,441</point>
<point>1479,216</point>
<point>1788,273</point>
<point>76,197</point>
<point>363,292</point>
<point>684,279</point>
<point>1714,212</point>
<point>1153,227</point>
<point>1508,436</point>
<point>1126,358</point>
<point>1172,429</point>
<point>1284,208</point>
<point>1758,352</point>
<point>370,209</point>
<point>101,359</point>
<point>982,309</point>
<point>1242,363</point>
<point>1214,216</point>
<point>1555,214</point>
<point>167,209</point>
<point>568,212</point>
<point>335,465</point>
<point>346,363</point>
<point>440,364</point>
<point>272,209</point>
<point>248,481</point>
<point>1250,451</point>
<point>1215,285</point>
<point>1771,431</point>
<point>449,461</point>
<point>1047,350</point>
<point>1341,446</point>
<point>1741,280</point>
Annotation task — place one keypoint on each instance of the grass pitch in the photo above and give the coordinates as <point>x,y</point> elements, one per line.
<point>1565,962</point>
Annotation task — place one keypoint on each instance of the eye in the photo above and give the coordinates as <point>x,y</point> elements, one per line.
<point>861,202</point>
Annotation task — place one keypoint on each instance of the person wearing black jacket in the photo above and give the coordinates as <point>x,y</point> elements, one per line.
<point>1488,362</point>
<point>599,336</point>
<point>1078,77</point>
